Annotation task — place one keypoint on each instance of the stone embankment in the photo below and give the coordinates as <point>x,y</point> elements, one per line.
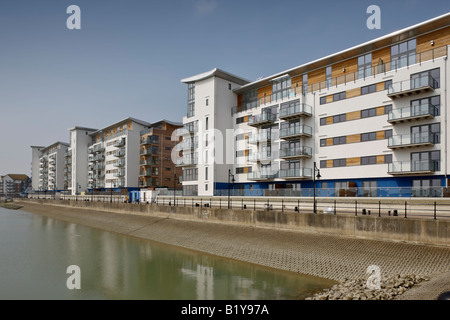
<point>390,288</point>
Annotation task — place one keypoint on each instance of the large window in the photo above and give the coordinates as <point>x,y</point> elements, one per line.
<point>426,188</point>
<point>429,77</point>
<point>249,100</point>
<point>281,88</point>
<point>328,76</point>
<point>426,133</point>
<point>305,83</point>
<point>191,100</point>
<point>365,66</point>
<point>403,54</point>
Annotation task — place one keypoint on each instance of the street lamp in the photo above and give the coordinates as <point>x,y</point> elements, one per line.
<point>174,186</point>
<point>314,177</point>
<point>232,180</point>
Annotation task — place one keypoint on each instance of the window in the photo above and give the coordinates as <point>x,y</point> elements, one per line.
<point>229,86</point>
<point>432,105</point>
<point>387,84</point>
<point>281,88</point>
<point>339,140</point>
<point>365,66</point>
<point>206,173</point>
<point>387,109</point>
<point>240,120</point>
<point>207,102</point>
<point>323,142</point>
<point>430,77</point>
<point>191,100</point>
<point>339,96</point>
<point>323,100</point>
<point>328,76</point>
<point>249,100</point>
<point>372,112</point>
<point>206,123</point>
<point>190,174</point>
<point>339,162</point>
<point>323,121</point>
<point>323,163</point>
<point>426,133</point>
<point>368,89</point>
<point>368,160</point>
<point>403,54</point>
<point>305,83</point>
<point>368,136</point>
<point>426,188</point>
<point>388,158</point>
<point>388,134</point>
<point>339,118</point>
<point>369,188</point>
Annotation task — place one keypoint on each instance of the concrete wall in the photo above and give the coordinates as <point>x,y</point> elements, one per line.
<point>430,232</point>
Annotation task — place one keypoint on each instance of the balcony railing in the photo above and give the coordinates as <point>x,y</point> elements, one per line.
<point>261,175</point>
<point>148,173</point>
<point>300,173</point>
<point>294,111</point>
<point>119,153</point>
<point>416,85</point>
<point>422,111</point>
<point>265,135</point>
<point>120,173</point>
<point>408,167</point>
<point>411,140</point>
<point>149,140</point>
<point>149,151</point>
<point>261,119</point>
<point>120,142</point>
<point>187,161</point>
<point>299,152</point>
<point>295,131</point>
<point>119,163</point>
<point>149,162</point>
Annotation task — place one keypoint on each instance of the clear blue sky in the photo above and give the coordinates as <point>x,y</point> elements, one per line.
<point>129,56</point>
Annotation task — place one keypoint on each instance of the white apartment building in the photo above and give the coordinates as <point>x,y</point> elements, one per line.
<point>76,160</point>
<point>113,155</point>
<point>48,162</point>
<point>204,155</point>
<point>372,119</point>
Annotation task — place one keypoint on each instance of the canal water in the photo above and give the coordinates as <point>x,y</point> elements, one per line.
<point>35,252</point>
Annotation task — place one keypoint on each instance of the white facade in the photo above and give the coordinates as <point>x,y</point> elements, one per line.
<point>50,166</point>
<point>384,128</point>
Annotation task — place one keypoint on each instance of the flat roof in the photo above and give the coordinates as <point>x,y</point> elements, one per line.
<point>55,144</point>
<point>216,72</point>
<point>144,123</point>
<point>433,24</point>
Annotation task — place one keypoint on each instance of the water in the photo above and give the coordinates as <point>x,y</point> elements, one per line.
<point>35,252</point>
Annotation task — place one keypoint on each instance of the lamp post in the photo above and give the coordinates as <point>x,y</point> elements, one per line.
<point>232,177</point>
<point>314,177</point>
<point>174,186</point>
<point>111,192</point>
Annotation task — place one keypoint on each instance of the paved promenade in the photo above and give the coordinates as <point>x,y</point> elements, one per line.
<point>321,255</point>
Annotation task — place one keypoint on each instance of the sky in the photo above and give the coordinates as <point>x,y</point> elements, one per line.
<point>129,56</point>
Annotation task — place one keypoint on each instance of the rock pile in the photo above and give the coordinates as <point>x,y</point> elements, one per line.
<point>390,287</point>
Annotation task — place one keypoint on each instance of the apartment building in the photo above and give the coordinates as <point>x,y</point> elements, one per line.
<point>203,160</point>
<point>76,160</point>
<point>113,155</point>
<point>13,184</point>
<point>48,167</point>
<point>156,166</point>
<point>372,119</point>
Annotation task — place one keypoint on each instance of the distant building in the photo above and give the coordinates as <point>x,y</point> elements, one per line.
<point>48,163</point>
<point>13,183</point>
<point>156,166</point>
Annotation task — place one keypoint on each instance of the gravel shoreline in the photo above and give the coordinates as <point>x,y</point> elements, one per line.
<point>404,267</point>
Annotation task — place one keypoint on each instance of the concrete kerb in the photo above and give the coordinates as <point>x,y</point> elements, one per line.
<point>411,230</point>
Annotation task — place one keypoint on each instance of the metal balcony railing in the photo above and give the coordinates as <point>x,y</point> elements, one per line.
<point>424,110</point>
<point>415,139</point>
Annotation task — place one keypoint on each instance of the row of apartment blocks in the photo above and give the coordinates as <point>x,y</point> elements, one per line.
<point>129,154</point>
<point>371,119</point>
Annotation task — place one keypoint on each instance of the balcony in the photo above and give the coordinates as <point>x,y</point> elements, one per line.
<point>148,151</point>
<point>120,142</point>
<point>99,148</point>
<point>300,152</point>
<point>119,163</point>
<point>420,112</point>
<point>413,86</point>
<point>296,111</point>
<point>261,119</point>
<point>148,173</point>
<point>411,140</point>
<point>119,153</point>
<point>187,160</point>
<point>120,173</point>
<point>264,156</point>
<point>261,175</point>
<point>413,167</point>
<point>150,140</point>
<point>295,132</point>
<point>263,136</point>
<point>299,173</point>
<point>149,162</point>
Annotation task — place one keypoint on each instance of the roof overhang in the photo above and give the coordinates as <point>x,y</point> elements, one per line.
<point>216,73</point>
<point>378,43</point>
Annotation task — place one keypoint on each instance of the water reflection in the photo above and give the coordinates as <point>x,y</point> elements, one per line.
<point>113,266</point>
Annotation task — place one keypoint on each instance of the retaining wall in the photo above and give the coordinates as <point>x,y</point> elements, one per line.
<point>413,230</point>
